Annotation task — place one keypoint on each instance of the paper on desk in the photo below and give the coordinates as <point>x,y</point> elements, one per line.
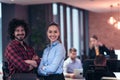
<point>117,74</point>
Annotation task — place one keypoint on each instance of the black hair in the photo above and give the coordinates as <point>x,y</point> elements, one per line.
<point>13,24</point>
<point>95,37</point>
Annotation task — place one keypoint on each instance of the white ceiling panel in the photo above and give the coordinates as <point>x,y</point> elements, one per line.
<point>91,5</point>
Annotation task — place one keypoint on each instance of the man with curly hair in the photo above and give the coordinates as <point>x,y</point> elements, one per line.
<point>20,57</point>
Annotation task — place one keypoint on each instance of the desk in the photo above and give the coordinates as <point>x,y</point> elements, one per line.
<point>117,74</point>
<point>74,79</point>
<point>109,78</point>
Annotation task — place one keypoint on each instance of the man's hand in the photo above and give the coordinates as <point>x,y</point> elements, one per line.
<point>72,76</point>
<point>31,62</point>
<point>30,67</point>
<point>35,57</point>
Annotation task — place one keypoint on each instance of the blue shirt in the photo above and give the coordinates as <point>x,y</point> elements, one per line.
<point>70,65</point>
<point>52,60</point>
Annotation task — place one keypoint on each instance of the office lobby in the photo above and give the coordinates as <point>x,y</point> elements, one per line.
<point>78,20</point>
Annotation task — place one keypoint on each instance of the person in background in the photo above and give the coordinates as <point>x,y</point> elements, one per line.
<point>100,60</point>
<point>112,53</point>
<point>51,66</point>
<point>20,57</point>
<point>100,69</point>
<point>97,48</point>
<point>71,63</point>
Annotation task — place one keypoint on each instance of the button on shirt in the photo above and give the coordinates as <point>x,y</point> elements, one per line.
<point>70,65</point>
<point>52,60</point>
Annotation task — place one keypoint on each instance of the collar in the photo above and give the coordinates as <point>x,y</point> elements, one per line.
<point>18,42</point>
<point>71,61</point>
<point>53,44</point>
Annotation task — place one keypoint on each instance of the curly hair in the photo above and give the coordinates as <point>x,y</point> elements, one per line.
<point>13,24</point>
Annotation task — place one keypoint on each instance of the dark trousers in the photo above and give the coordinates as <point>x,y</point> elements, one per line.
<point>52,77</point>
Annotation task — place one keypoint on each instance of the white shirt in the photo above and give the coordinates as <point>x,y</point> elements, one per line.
<point>70,65</point>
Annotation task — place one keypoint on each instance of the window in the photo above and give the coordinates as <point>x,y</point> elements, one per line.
<point>81,30</point>
<point>0,39</point>
<point>55,12</point>
<point>68,30</point>
<point>71,26</point>
<point>54,9</point>
<point>62,23</point>
<point>75,30</point>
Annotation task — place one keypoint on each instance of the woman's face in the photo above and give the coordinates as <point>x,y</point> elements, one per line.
<point>53,33</point>
<point>93,41</point>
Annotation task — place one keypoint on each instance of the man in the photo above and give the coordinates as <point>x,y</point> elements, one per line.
<point>20,57</point>
<point>71,63</point>
<point>99,69</point>
<point>97,48</point>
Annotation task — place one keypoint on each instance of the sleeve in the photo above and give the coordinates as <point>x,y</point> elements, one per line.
<point>90,53</point>
<point>60,55</point>
<point>40,71</point>
<point>65,68</point>
<point>80,64</point>
<point>106,50</point>
<point>15,60</point>
<point>34,54</point>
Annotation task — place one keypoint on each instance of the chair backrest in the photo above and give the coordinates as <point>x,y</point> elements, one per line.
<point>113,65</point>
<point>5,70</point>
<point>98,72</point>
<point>86,65</point>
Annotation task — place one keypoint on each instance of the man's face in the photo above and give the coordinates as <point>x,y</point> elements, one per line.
<point>19,33</point>
<point>73,55</point>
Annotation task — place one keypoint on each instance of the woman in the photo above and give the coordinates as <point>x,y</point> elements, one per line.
<point>97,48</point>
<point>51,66</point>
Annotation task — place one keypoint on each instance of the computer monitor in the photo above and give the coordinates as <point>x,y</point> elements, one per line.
<point>117,52</point>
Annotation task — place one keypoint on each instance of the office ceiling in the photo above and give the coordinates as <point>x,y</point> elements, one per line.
<point>91,5</point>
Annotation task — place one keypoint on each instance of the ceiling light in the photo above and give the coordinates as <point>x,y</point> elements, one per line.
<point>115,21</point>
<point>12,0</point>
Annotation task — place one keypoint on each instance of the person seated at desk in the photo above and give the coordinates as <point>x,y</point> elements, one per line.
<point>99,69</point>
<point>97,48</point>
<point>71,63</point>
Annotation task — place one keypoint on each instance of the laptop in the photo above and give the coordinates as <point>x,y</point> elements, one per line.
<point>117,74</point>
<point>78,73</point>
<point>117,52</point>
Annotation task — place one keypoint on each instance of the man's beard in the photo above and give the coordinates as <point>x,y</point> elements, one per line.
<point>20,38</point>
